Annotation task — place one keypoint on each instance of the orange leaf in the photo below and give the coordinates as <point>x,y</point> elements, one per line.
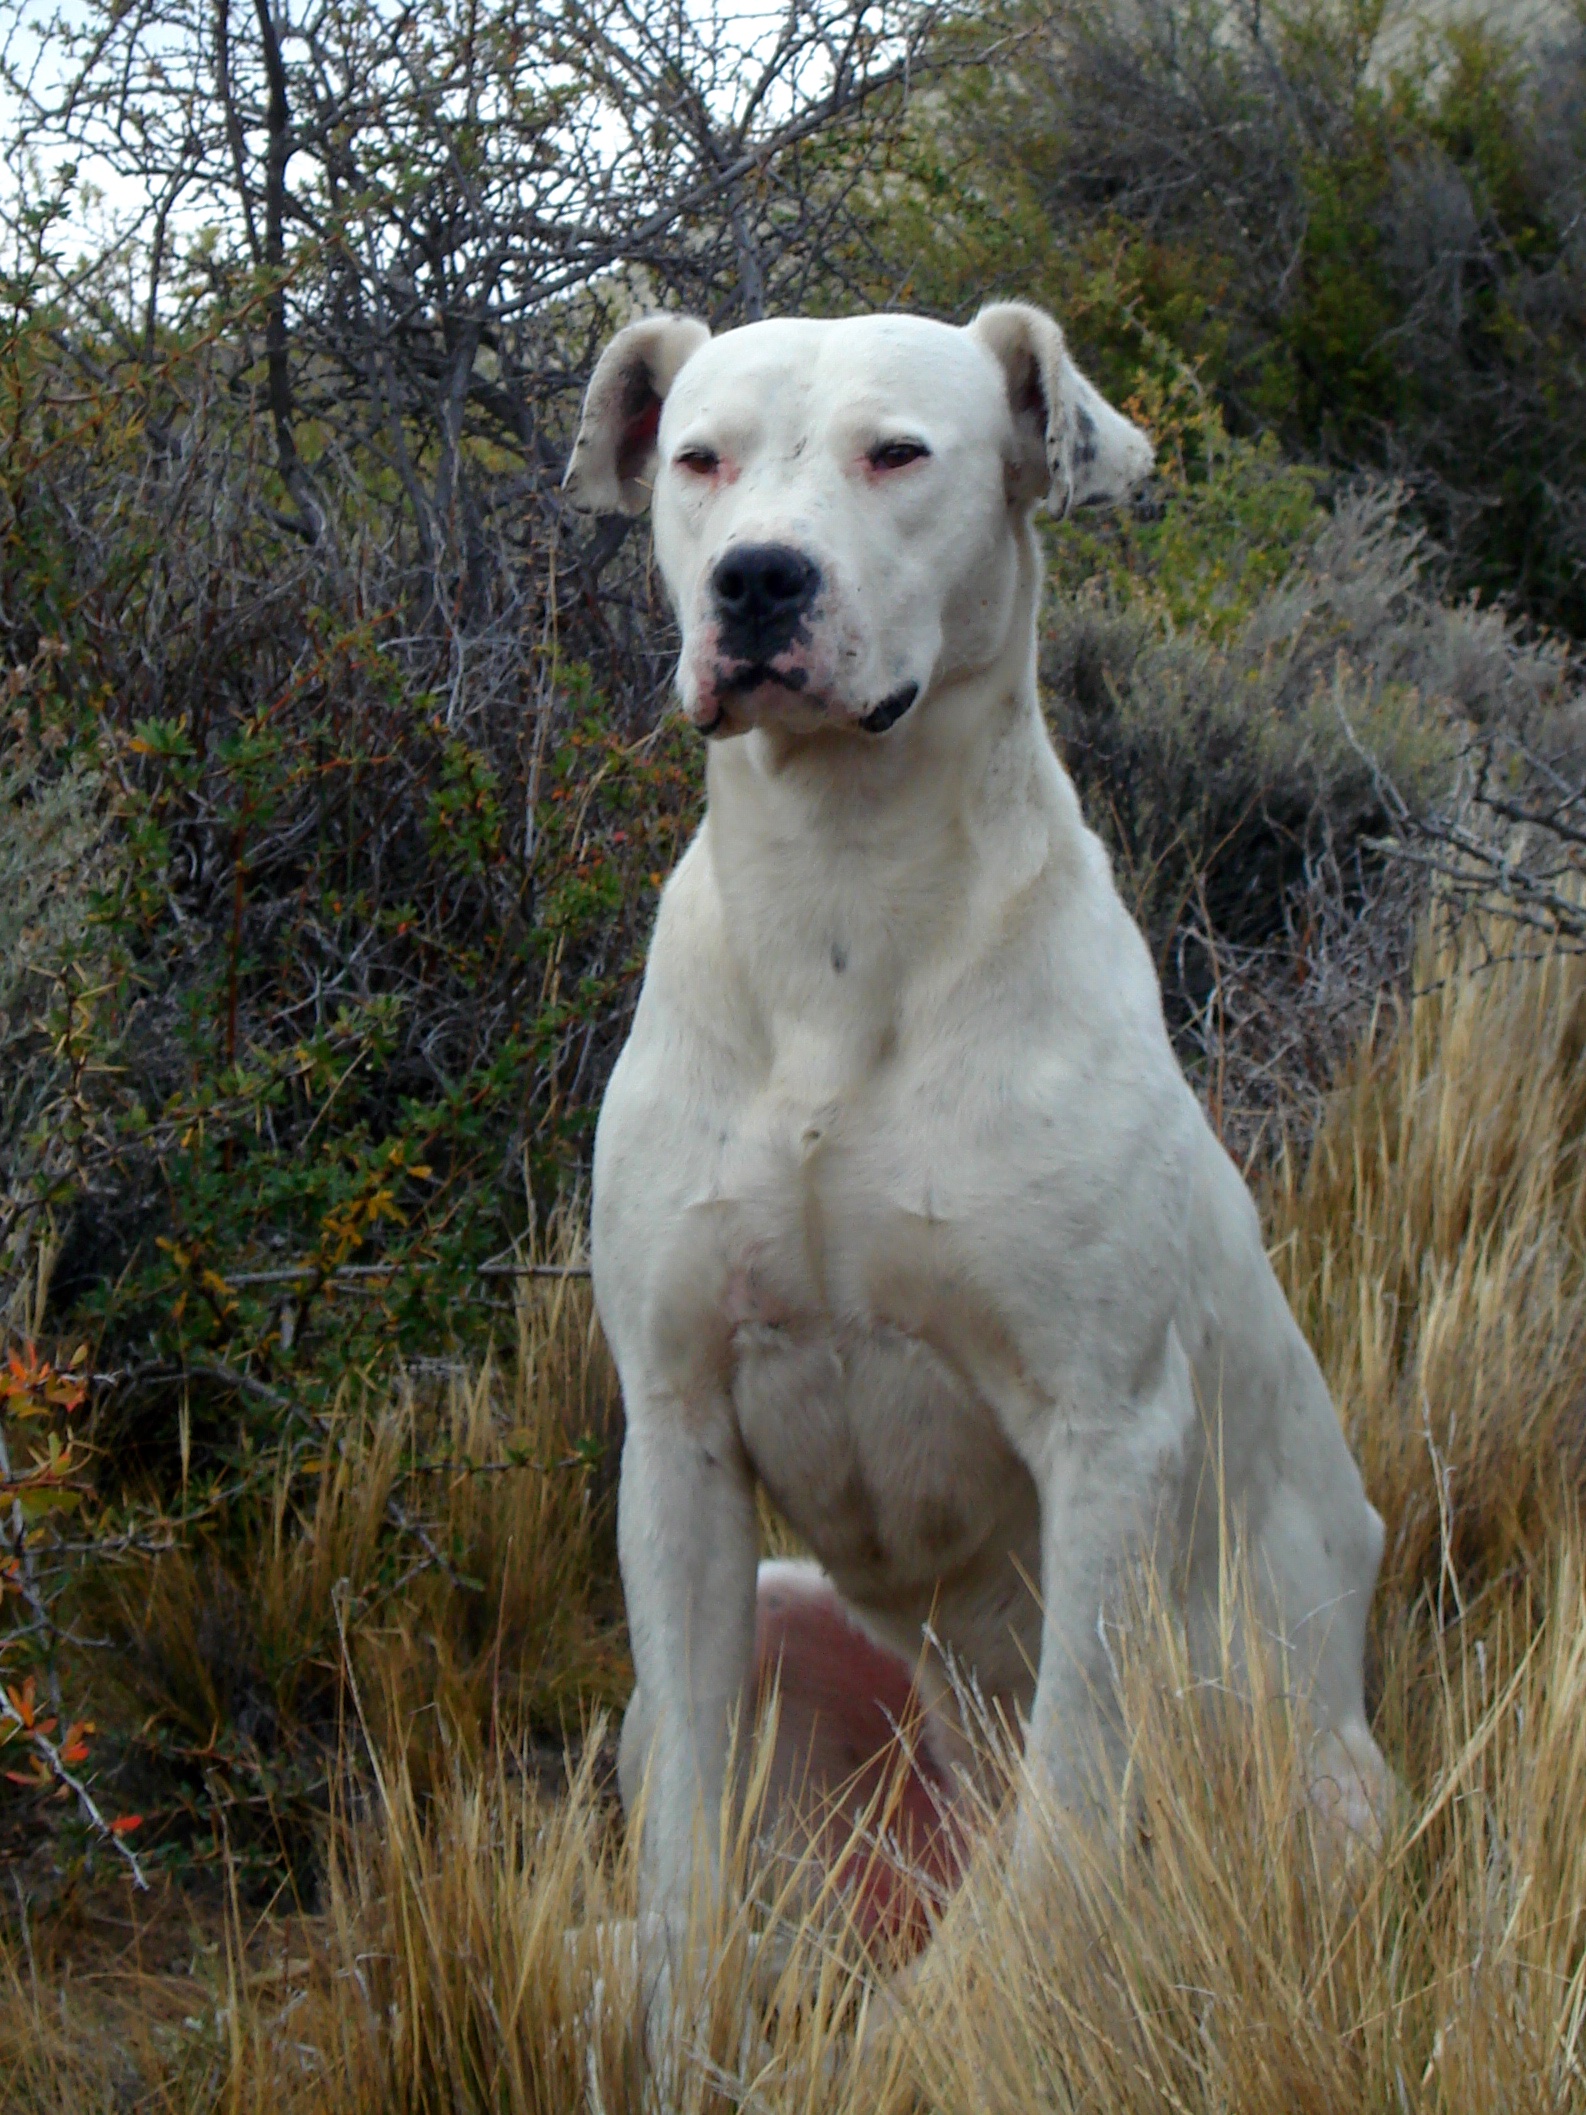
<point>126,1824</point>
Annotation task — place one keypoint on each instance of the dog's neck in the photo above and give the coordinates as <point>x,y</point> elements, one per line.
<point>852,871</point>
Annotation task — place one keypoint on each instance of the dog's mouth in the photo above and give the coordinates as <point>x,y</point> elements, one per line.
<point>759,675</point>
<point>751,676</point>
<point>744,680</point>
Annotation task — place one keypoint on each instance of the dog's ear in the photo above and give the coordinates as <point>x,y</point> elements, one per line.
<point>1071,448</point>
<point>612,465</point>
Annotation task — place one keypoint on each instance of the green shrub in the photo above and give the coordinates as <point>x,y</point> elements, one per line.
<point>1368,244</point>
<point>1246,684</point>
<point>335,951</point>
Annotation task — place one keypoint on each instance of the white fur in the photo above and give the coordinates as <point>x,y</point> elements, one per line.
<point>902,1203</point>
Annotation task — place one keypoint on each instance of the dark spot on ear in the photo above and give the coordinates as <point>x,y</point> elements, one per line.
<point>839,957</point>
<point>638,391</point>
<point>1028,394</point>
<point>1085,446</point>
<point>641,419</point>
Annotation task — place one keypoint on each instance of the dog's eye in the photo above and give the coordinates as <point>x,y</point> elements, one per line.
<point>896,455</point>
<point>703,462</point>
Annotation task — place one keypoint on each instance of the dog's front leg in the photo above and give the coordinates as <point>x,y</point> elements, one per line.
<point>688,1541</point>
<point>1108,1487</point>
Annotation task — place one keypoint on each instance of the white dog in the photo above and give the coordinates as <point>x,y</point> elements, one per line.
<point>903,1207</point>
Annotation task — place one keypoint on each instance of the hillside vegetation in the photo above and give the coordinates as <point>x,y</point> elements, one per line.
<point>338,785</point>
<point>1361,226</point>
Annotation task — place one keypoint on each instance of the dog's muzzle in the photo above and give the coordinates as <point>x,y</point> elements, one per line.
<point>763,599</point>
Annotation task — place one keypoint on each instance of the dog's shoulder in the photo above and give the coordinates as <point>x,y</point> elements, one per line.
<point>688,973</point>
<point>694,1031</point>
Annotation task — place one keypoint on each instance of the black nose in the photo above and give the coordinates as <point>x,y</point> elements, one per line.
<point>762,590</point>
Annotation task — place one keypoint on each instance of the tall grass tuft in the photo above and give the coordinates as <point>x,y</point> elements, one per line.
<point>1433,1245</point>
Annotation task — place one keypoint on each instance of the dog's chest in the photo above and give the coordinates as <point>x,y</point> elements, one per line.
<point>868,1438</point>
<point>873,1449</point>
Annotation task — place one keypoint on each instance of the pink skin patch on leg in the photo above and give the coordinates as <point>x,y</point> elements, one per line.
<point>852,1741</point>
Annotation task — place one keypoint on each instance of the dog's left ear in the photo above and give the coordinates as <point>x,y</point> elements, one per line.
<point>1071,448</point>
<point>612,465</point>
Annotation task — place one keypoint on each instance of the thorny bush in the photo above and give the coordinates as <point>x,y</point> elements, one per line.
<point>307,1003</point>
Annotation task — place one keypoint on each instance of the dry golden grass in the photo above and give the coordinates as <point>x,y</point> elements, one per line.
<point>1433,1249</point>
<point>1219,1956</point>
<point>495,1616</point>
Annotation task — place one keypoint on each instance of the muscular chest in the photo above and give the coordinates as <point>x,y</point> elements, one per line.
<point>867,1429</point>
<point>874,1449</point>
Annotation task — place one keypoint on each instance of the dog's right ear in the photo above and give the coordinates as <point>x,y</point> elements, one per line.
<point>612,465</point>
<point>1071,448</point>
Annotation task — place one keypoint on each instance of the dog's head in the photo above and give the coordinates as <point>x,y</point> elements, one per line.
<point>840,507</point>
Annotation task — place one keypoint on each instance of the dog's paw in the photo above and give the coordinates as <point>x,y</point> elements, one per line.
<point>1351,1789</point>
<point>641,1975</point>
